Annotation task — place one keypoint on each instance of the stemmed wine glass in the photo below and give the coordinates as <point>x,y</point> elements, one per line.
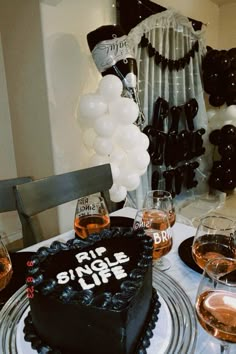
<point>161,200</point>
<point>156,225</point>
<point>215,237</point>
<point>91,216</point>
<point>5,266</point>
<point>216,301</point>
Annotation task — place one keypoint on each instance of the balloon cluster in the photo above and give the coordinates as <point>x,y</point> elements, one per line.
<point>219,76</point>
<point>223,174</point>
<point>109,135</point>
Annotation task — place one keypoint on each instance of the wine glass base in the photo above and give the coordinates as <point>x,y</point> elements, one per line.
<point>161,264</point>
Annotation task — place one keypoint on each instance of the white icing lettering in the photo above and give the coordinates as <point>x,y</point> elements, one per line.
<point>84,285</point>
<point>99,270</point>
<point>98,265</point>
<point>121,257</point>
<point>105,274</point>
<point>100,251</point>
<point>82,256</point>
<point>109,262</point>
<point>93,255</point>
<point>96,279</point>
<point>80,271</point>
<point>72,274</point>
<point>63,278</point>
<point>119,272</point>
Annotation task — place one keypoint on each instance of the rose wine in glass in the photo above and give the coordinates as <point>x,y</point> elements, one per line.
<point>161,200</point>
<point>156,225</point>
<point>215,237</point>
<point>5,266</point>
<point>91,216</point>
<point>216,302</point>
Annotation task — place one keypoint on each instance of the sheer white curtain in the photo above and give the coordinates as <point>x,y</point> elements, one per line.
<point>173,36</point>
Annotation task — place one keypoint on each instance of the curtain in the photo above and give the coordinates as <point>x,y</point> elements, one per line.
<point>173,37</point>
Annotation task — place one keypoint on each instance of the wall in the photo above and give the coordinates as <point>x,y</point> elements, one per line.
<point>70,72</point>
<point>227,27</point>
<point>10,226</point>
<point>20,27</point>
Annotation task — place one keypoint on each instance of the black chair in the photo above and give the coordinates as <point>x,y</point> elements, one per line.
<point>40,195</point>
<point>8,203</point>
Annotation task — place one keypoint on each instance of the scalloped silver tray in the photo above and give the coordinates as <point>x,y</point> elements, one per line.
<point>180,321</point>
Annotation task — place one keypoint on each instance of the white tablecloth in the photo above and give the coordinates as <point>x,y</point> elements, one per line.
<point>184,276</point>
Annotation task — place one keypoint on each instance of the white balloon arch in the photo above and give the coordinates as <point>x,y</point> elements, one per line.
<point>110,136</point>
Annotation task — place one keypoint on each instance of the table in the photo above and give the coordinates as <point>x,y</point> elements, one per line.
<point>184,276</point>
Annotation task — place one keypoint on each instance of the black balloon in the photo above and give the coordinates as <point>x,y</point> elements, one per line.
<point>219,76</point>
<point>216,101</point>
<point>215,182</point>
<point>223,174</point>
<point>215,137</point>
<point>228,133</point>
<point>211,82</point>
<point>226,150</point>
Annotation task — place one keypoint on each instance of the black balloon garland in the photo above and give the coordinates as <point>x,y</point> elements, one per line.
<point>171,64</point>
<point>219,76</point>
<point>223,174</point>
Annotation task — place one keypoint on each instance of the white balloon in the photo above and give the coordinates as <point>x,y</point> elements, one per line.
<point>117,193</point>
<point>110,87</point>
<point>96,160</point>
<point>129,178</point>
<point>104,126</point>
<point>124,110</point>
<point>139,158</point>
<point>103,146</point>
<point>144,141</point>
<point>117,155</point>
<point>127,136</point>
<point>88,137</point>
<point>211,113</point>
<point>92,105</point>
<point>142,172</point>
<point>230,114</point>
<point>115,171</point>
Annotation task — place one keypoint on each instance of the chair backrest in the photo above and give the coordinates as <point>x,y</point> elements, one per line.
<point>8,202</point>
<point>40,195</point>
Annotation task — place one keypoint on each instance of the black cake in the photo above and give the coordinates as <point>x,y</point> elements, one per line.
<point>93,295</point>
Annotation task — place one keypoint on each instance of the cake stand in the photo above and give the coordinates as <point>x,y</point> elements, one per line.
<point>175,331</point>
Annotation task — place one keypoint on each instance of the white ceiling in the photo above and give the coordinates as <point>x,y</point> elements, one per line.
<point>223,2</point>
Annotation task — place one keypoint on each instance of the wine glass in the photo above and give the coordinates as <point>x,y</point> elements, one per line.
<point>5,266</point>
<point>216,301</point>
<point>215,237</point>
<point>162,200</point>
<point>156,225</point>
<point>91,216</point>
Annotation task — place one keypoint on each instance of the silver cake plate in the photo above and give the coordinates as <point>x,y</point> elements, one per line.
<point>175,331</point>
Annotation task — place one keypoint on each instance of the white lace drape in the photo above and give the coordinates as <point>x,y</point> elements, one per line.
<point>172,35</point>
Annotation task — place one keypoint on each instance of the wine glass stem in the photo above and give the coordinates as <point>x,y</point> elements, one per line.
<point>224,348</point>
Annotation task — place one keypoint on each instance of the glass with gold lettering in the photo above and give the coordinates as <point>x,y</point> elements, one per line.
<point>91,216</point>
<point>156,225</point>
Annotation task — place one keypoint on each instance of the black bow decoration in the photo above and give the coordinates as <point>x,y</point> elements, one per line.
<point>171,64</point>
